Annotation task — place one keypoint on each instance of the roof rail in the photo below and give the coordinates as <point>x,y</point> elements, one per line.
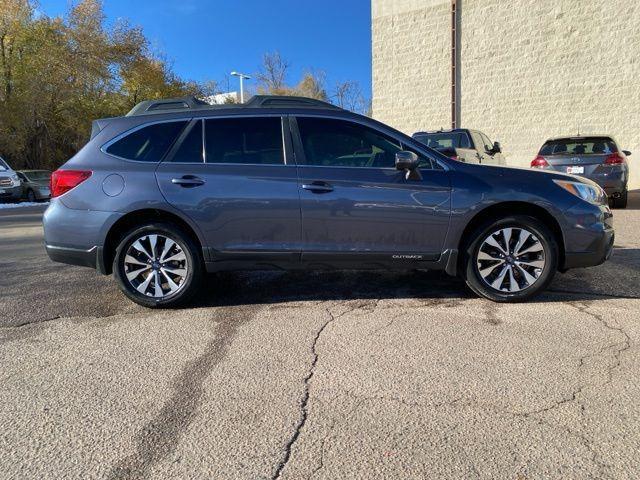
<point>165,105</point>
<point>275,101</point>
<point>258,101</point>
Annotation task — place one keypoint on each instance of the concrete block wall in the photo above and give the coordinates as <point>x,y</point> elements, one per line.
<point>530,69</point>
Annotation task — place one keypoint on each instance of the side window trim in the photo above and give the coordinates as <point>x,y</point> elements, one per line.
<point>168,158</point>
<point>122,135</point>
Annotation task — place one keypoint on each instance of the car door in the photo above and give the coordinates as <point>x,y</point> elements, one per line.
<point>356,206</point>
<point>235,177</point>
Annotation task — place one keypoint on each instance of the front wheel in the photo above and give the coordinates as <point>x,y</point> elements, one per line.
<point>158,266</point>
<point>510,259</point>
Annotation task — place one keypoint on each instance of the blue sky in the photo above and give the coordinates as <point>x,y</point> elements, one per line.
<point>204,39</point>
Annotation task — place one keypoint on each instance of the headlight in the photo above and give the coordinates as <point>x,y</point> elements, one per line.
<point>16,179</point>
<point>589,193</point>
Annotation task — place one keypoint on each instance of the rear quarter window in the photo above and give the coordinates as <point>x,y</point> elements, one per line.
<point>147,144</point>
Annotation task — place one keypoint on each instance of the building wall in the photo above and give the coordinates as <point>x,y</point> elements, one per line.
<point>530,69</point>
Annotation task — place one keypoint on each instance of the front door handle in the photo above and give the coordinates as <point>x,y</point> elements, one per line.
<point>188,181</point>
<point>318,187</point>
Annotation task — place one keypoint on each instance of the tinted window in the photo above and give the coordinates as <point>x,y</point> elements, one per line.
<point>3,166</point>
<point>190,150</point>
<point>443,140</point>
<point>337,143</point>
<point>148,143</point>
<point>244,140</point>
<point>579,146</point>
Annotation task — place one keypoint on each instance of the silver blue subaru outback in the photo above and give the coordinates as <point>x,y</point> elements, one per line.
<point>177,188</point>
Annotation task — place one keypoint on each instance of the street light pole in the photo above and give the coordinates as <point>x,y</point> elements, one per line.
<point>242,77</point>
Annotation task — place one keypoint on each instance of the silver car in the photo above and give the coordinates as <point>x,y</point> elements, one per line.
<point>10,185</point>
<point>596,157</point>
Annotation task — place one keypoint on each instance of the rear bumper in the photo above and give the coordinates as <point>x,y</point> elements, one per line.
<point>611,182</point>
<point>73,256</point>
<point>75,236</point>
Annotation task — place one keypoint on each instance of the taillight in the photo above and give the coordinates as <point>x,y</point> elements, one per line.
<point>64,180</point>
<point>539,162</point>
<point>614,159</point>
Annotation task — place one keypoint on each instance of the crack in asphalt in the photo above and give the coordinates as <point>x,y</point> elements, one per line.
<point>618,349</point>
<point>159,438</point>
<point>304,400</point>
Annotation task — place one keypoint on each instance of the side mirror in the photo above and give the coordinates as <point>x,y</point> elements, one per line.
<point>626,152</point>
<point>497,148</point>
<point>408,162</point>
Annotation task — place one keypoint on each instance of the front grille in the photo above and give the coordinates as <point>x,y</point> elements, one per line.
<point>6,182</point>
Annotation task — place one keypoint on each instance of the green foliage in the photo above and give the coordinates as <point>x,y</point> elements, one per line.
<point>57,74</point>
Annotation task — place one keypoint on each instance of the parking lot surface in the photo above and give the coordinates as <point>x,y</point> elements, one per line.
<point>317,375</point>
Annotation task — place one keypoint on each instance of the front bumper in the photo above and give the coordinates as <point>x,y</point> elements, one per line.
<point>11,193</point>
<point>590,239</point>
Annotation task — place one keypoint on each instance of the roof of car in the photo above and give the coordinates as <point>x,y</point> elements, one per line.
<point>173,105</point>
<point>450,130</point>
<point>578,137</point>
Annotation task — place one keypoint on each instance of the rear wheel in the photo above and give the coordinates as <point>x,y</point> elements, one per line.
<point>158,266</point>
<point>621,201</point>
<point>511,259</point>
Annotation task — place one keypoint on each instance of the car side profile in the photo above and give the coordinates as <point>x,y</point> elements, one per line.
<point>35,184</point>
<point>177,188</point>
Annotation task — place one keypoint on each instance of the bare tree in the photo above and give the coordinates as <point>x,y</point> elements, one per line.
<point>272,74</point>
<point>348,95</point>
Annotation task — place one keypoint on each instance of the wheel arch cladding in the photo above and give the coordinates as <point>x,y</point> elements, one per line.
<point>504,209</point>
<point>139,218</point>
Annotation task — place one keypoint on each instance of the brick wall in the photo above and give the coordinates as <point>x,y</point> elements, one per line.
<point>530,69</point>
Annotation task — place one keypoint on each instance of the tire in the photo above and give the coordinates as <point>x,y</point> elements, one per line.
<point>621,201</point>
<point>532,270</point>
<point>184,268</point>
<point>31,196</point>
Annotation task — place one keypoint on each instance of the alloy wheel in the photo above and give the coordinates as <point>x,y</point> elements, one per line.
<point>511,259</point>
<point>155,266</point>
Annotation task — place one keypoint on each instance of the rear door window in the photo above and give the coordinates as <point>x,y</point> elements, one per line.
<point>147,144</point>
<point>579,146</point>
<point>248,140</point>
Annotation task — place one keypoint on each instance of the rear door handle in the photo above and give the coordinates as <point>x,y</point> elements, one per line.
<point>188,181</point>
<point>318,187</point>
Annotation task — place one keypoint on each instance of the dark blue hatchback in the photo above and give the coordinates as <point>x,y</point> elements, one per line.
<point>176,188</point>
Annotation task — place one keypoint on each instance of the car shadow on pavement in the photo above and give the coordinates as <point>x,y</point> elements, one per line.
<point>246,288</point>
<point>242,288</point>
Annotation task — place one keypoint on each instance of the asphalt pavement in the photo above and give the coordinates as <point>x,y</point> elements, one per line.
<point>317,375</point>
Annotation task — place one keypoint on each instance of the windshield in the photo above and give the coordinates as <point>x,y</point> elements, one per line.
<point>3,166</point>
<point>579,146</point>
<point>38,175</point>
<point>444,140</point>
